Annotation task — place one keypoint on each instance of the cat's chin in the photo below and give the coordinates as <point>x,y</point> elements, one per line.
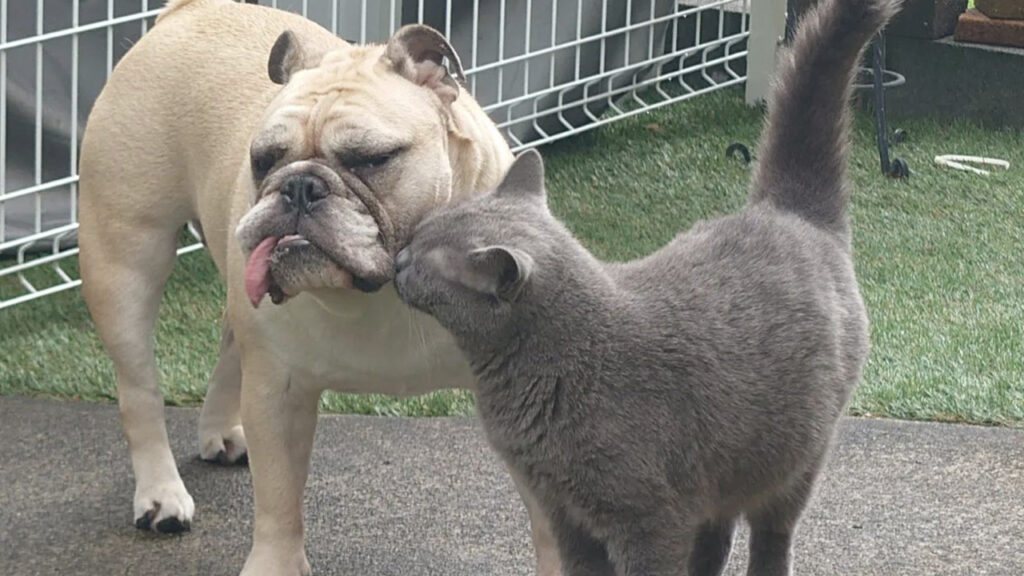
<point>401,287</point>
<point>407,296</point>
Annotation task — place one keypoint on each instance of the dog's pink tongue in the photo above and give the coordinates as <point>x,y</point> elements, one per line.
<point>257,271</point>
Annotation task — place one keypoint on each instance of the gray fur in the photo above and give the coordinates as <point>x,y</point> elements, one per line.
<point>803,150</point>
<point>650,404</point>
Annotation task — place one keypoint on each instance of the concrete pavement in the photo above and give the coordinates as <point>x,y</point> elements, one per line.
<point>410,497</point>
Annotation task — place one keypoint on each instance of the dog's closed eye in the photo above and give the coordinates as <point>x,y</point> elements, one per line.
<point>365,160</point>
<point>262,160</point>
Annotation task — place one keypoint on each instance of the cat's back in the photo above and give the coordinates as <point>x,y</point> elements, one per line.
<point>758,251</point>
<point>759,292</point>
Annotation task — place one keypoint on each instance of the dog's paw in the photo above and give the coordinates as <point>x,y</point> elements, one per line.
<point>165,508</point>
<point>223,446</point>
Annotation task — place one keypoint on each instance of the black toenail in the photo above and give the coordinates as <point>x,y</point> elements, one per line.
<point>172,526</point>
<point>145,521</point>
<point>242,459</point>
<point>214,459</point>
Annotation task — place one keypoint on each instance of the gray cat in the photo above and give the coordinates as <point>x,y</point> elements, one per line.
<point>649,404</point>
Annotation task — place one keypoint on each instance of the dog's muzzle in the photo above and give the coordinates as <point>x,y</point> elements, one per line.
<point>303,192</point>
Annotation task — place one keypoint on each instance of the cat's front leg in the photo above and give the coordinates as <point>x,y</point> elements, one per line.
<point>582,554</point>
<point>655,545</point>
<point>712,546</point>
<point>545,546</point>
<point>773,525</point>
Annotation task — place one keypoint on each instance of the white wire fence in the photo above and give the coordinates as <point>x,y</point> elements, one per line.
<point>542,69</point>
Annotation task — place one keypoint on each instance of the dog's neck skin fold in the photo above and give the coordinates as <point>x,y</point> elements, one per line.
<point>478,152</point>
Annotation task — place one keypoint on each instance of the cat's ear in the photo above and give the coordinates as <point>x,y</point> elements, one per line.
<point>506,270</point>
<point>525,178</point>
<point>288,56</point>
<point>418,52</point>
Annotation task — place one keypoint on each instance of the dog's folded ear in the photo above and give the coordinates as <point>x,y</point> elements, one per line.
<point>288,57</point>
<point>417,52</point>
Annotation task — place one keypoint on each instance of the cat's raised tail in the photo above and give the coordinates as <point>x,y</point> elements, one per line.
<point>803,149</point>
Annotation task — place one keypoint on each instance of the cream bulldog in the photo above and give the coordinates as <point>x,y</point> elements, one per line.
<point>305,162</point>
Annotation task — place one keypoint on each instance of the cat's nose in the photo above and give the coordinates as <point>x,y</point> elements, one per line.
<point>403,260</point>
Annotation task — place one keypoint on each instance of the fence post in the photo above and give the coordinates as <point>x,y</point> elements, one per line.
<point>767,29</point>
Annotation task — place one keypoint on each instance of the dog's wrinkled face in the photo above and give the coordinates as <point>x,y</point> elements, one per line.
<point>352,154</point>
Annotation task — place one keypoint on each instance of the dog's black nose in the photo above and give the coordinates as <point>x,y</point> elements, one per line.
<point>403,259</point>
<point>364,285</point>
<point>303,191</point>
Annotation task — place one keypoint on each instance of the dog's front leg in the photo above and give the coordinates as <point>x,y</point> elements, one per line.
<point>221,437</point>
<point>545,547</point>
<point>279,417</point>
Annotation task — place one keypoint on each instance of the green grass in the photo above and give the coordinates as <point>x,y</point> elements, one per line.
<point>939,259</point>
